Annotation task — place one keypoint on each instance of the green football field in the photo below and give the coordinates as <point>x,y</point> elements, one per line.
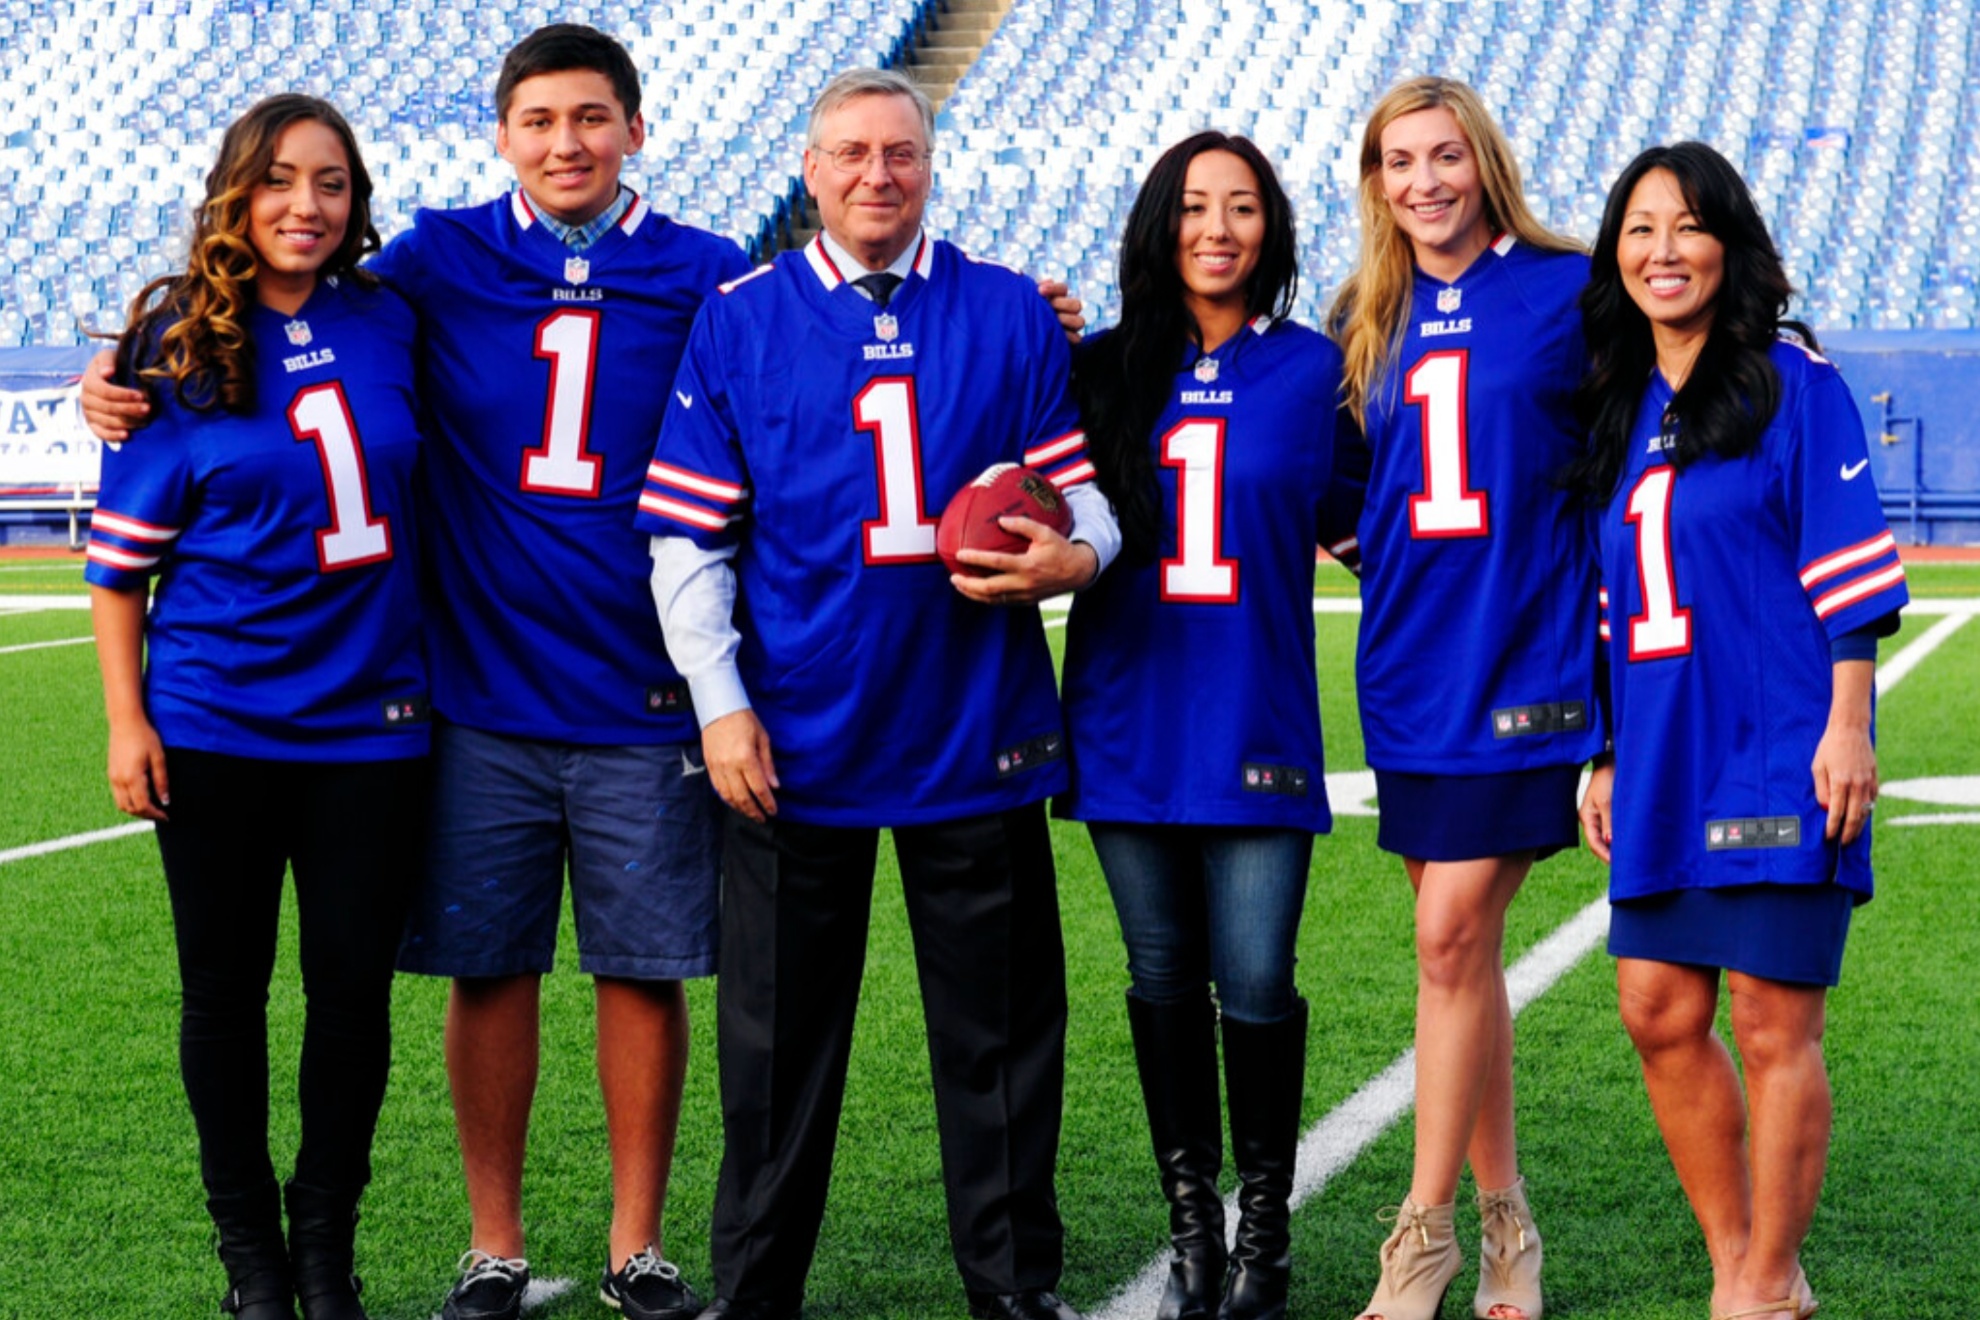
<point>101,1212</point>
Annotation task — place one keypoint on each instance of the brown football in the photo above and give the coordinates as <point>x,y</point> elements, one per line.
<point>1003,490</point>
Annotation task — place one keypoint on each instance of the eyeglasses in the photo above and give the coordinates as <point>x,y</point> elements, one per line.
<point>854,158</point>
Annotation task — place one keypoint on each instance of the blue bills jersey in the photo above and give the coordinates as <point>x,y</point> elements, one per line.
<point>285,623</point>
<point>822,436</point>
<point>1724,585</point>
<point>1477,646</point>
<point>544,372</point>
<point>1189,682</point>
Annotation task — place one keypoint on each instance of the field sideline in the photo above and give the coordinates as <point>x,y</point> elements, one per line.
<point>100,1210</point>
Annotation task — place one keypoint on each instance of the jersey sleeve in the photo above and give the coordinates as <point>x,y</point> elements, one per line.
<point>697,485</point>
<point>1055,444</point>
<point>1347,491</point>
<point>1844,549</point>
<point>144,503</point>
<point>398,263</point>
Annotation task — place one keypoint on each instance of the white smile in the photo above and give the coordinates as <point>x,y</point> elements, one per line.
<point>1668,283</point>
<point>1217,263</point>
<point>1432,210</point>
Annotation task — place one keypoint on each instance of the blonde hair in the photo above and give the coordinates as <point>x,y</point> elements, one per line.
<point>1371,309</point>
<point>191,329</point>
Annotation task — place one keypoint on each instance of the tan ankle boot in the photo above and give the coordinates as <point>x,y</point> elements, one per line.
<point>1419,1260</point>
<point>1508,1257</point>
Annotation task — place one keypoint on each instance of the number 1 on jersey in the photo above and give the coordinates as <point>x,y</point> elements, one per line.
<point>903,533</point>
<point>1663,628</point>
<point>1199,570</point>
<point>321,415</point>
<point>561,465</point>
<point>1448,506</point>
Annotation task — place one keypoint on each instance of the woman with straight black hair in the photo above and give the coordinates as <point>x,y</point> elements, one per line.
<point>1191,703</point>
<point>1749,572</point>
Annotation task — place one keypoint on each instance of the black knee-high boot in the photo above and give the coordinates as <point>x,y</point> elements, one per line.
<point>1265,1067</point>
<point>1175,1051</point>
<point>260,1285</point>
<point>322,1237</point>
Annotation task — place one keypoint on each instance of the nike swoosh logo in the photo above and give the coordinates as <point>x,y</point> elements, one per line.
<point>1851,471</point>
<point>689,769</point>
<point>687,401</point>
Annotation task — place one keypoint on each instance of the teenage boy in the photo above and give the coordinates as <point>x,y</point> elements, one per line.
<point>551,320</point>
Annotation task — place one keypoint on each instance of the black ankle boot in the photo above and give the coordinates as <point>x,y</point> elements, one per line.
<point>322,1236</point>
<point>1265,1067</point>
<point>1175,1051</point>
<point>259,1283</point>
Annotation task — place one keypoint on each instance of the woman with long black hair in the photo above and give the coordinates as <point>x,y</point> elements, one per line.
<point>1191,701</point>
<point>1749,572</point>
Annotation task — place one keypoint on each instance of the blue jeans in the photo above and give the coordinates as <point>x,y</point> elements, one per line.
<point>1200,904</point>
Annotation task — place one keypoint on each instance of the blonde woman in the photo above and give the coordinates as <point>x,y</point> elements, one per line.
<point>1477,649</point>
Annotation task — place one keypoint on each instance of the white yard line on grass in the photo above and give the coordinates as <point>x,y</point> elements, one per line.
<point>1335,1142</point>
<point>73,841</point>
<point>31,604</point>
<point>1927,642</point>
<point>42,646</point>
<point>1339,1138</point>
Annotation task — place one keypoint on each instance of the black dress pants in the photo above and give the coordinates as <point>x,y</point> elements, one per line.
<point>352,833</point>
<point>983,907</point>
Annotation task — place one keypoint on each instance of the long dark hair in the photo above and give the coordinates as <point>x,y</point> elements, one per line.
<point>1732,391</point>
<point>191,328</point>
<point>1123,381</point>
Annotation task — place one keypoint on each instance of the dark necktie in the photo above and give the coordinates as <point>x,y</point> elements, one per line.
<point>880,287</point>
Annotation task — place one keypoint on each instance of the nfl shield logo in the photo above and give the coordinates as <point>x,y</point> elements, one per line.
<point>886,328</point>
<point>298,332</point>
<point>1206,369</point>
<point>576,269</point>
<point>1448,300</point>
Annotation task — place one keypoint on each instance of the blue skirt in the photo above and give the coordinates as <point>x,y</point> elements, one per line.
<point>1791,933</point>
<point>1457,818</point>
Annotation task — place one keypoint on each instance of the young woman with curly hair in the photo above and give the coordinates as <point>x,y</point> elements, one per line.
<point>268,709</point>
<point>1475,664</point>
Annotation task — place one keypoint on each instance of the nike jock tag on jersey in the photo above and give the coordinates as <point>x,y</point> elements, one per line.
<point>1542,717</point>
<point>405,710</point>
<point>1290,780</point>
<point>1753,832</point>
<point>1045,748</point>
<point>667,697</point>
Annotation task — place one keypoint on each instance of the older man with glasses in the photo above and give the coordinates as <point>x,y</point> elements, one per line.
<point>827,408</point>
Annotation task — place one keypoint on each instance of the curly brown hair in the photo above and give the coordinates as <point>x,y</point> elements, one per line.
<point>191,328</point>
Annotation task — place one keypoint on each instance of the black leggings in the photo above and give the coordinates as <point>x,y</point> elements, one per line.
<point>352,833</point>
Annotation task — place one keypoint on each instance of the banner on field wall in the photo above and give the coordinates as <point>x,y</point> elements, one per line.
<point>43,442</point>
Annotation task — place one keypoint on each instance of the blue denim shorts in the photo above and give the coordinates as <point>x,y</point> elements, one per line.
<point>638,829</point>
